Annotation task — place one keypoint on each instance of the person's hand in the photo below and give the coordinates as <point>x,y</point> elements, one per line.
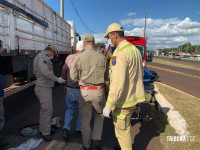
<point>106,112</point>
<point>61,80</point>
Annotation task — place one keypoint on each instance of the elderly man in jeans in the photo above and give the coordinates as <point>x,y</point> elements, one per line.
<point>72,90</point>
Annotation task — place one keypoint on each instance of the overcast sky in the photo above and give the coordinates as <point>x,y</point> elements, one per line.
<point>170,23</point>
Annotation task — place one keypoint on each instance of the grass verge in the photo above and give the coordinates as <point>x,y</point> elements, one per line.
<point>188,107</point>
<point>175,63</point>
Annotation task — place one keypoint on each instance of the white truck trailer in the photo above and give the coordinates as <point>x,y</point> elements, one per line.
<point>26,28</point>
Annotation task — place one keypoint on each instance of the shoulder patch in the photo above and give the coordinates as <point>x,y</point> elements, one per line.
<point>124,47</point>
<point>113,60</point>
<point>44,56</point>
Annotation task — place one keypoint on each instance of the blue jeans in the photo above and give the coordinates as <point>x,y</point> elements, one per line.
<point>2,119</point>
<point>72,101</point>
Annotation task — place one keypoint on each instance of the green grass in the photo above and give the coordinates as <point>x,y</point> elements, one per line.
<point>164,129</point>
<point>189,108</point>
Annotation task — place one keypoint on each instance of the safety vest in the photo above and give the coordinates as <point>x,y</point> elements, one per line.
<point>126,83</point>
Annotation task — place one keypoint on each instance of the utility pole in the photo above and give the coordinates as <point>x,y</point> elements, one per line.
<point>196,48</point>
<point>62,8</point>
<point>145,23</point>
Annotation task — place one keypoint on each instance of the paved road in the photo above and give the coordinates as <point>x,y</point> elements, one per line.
<point>183,60</point>
<point>23,109</point>
<point>186,80</point>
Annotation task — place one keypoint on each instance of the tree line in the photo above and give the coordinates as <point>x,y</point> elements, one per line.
<point>187,48</point>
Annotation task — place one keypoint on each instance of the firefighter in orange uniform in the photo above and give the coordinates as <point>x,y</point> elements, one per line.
<point>126,84</point>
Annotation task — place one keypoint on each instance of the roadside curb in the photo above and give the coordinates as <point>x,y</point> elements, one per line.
<point>175,119</point>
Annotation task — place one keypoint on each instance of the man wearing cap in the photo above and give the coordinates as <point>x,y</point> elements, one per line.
<point>89,68</point>
<point>72,90</point>
<point>126,84</point>
<point>43,70</point>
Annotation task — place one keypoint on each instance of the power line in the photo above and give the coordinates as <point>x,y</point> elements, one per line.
<point>79,16</point>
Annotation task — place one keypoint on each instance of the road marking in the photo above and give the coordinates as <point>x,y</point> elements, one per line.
<point>178,90</point>
<point>177,72</point>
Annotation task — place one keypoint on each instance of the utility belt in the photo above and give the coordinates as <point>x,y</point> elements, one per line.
<point>73,87</point>
<point>92,87</point>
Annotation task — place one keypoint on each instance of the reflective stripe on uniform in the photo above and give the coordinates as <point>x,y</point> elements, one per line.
<point>118,116</point>
<point>124,47</point>
<point>120,50</point>
<point>125,102</point>
<point>126,148</point>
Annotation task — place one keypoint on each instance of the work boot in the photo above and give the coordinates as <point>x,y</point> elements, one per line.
<point>47,138</point>
<point>96,144</point>
<point>66,135</point>
<point>78,134</point>
<point>53,131</point>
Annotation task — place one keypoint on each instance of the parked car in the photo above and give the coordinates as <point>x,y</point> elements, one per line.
<point>197,57</point>
<point>191,57</point>
<point>177,57</point>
